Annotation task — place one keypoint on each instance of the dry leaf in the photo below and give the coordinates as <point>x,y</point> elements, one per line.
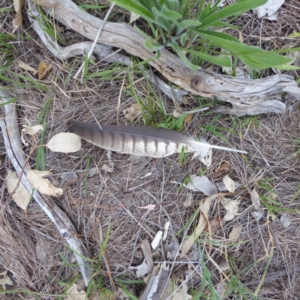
<point>32,130</point>
<point>107,168</point>
<point>65,142</point>
<point>232,207</point>
<point>26,67</point>
<point>222,188</point>
<point>133,17</point>
<point>73,294</point>
<point>21,196</point>
<point>255,199</point>
<point>180,294</point>
<point>5,280</point>
<point>17,21</point>
<point>270,218</point>
<point>166,229</point>
<point>225,167</point>
<point>269,9</point>
<point>189,201</point>
<point>285,221</point>
<point>214,225</point>
<point>229,184</point>
<point>235,233</point>
<point>176,114</point>
<point>43,69</point>
<point>203,219</point>
<point>156,239</point>
<point>187,121</point>
<point>257,215</point>
<point>202,184</point>
<point>42,173</point>
<point>141,270</point>
<point>42,185</point>
<point>132,112</point>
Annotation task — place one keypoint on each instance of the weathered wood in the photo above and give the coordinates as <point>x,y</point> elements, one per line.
<point>241,93</point>
<point>101,51</point>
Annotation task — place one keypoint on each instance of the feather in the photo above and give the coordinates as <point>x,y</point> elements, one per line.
<point>141,141</point>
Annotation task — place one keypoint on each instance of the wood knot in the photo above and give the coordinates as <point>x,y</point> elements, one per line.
<point>197,83</point>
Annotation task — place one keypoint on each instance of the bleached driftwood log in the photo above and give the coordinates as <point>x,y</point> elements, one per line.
<point>247,96</point>
<point>13,146</point>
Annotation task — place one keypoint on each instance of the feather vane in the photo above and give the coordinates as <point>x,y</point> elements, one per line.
<point>141,141</point>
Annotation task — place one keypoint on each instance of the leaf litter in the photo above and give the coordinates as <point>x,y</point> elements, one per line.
<point>64,142</point>
<point>43,185</point>
<point>201,184</point>
<point>21,196</point>
<point>283,189</point>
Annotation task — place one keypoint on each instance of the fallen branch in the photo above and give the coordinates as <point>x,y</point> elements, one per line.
<point>101,52</point>
<point>13,146</point>
<point>247,96</point>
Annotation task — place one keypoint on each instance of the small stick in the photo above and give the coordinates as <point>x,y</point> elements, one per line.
<point>96,38</point>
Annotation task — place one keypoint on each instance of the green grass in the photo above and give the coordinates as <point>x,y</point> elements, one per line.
<point>272,205</point>
<point>42,119</point>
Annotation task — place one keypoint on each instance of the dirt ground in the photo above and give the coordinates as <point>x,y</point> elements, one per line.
<point>36,256</point>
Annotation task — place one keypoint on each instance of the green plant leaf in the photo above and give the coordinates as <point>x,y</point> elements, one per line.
<point>183,39</point>
<point>252,56</point>
<point>161,20</point>
<point>170,14</point>
<point>181,54</point>
<point>135,7</point>
<point>153,46</point>
<point>294,35</point>
<point>231,10</point>
<point>223,61</point>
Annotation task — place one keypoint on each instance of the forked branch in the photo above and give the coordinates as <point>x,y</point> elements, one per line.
<point>247,96</point>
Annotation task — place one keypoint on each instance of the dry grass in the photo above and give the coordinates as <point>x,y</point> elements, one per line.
<point>31,247</point>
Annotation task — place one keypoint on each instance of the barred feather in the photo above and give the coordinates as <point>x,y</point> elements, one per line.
<point>141,141</point>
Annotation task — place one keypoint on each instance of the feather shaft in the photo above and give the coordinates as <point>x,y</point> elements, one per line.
<point>141,141</point>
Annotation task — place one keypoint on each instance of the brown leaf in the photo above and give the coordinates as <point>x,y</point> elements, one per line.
<point>132,112</point>
<point>232,207</point>
<point>21,195</point>
<point>202,223</point>
<point>235,233</point>
<point>26,67</point>
<point>214,225</point>
<point>187,121</point>
<point>5,280</point>
<point>43,69</point>
<point>17,21</point>
<point>229,184</point>
<point>74,294</point>
<point>224,167</point>
<point>42,185</point>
